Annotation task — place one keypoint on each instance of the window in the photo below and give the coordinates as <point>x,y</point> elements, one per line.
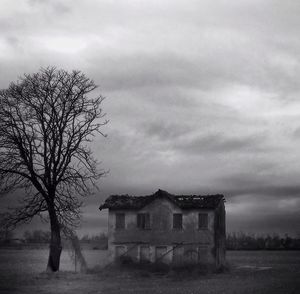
<point>161,254</point>
<point>120,251</point>
<point>203,221</point>
<point>177,221</point>
<point>178,255</point>
<point>203,255</point>
<point>120,221</point>
<point>144,253</point>
<point>143,221</point>
<point>191,253</point>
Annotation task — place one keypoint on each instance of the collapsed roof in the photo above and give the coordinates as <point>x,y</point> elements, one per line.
<point>182,201</point>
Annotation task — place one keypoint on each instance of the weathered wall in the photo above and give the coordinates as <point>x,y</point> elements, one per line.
<point>220,235</point>
<point>199,244</point>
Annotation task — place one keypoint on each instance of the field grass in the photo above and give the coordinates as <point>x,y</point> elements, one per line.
<point>22,271</point>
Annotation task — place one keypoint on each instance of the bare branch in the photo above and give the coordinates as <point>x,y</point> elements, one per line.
<point>47,120</point>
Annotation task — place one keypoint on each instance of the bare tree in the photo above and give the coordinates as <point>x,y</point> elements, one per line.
<point>47,120</point>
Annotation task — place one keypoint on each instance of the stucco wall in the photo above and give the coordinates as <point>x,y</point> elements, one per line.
<point>161,233</point>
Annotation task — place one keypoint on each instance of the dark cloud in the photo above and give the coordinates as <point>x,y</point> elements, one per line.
<point>262,213</point>
<point>166,131</point>
<point>276,223</point>
<point>278,191</point>
<point>57,6</point>
<point>146,70</point>
<point>225,66</point>
<point>220,143</point>
<point>296,133</point>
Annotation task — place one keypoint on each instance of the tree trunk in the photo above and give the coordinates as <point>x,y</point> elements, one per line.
<point>55,243</point>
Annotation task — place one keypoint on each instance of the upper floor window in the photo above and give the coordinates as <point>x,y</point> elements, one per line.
<point>120,220</point>
<point>143,221</point>
<point>177,221</point>
<point>202,221</point>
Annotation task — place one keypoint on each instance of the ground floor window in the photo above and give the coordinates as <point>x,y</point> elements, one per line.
<point>202,254</point>
<point>178,253</point>
<point>144,253</point>
<point>160,253</point>
<point>120,250</point>
<point>191,254</point>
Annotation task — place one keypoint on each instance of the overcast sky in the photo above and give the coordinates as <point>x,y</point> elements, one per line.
<point>202,96</point>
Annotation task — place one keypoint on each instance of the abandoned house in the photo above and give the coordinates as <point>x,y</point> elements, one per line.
<point>172,229</point>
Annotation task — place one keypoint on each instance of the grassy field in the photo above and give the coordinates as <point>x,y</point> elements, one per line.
<point>22,271</point>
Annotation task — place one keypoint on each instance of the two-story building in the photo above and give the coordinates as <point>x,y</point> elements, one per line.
<point>173,229</point>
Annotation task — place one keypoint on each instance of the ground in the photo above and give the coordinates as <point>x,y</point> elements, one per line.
<point>21,271</point>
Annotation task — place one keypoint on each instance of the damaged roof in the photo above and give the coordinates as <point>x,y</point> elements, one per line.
<point>182,201</point>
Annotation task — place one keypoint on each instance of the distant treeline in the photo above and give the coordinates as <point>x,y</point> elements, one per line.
<point>244,241</point>
<point>41,237</point>
<point>37,236</point>
<point>101,238</point>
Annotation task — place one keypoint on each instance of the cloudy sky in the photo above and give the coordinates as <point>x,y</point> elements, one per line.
<point>202,96</point>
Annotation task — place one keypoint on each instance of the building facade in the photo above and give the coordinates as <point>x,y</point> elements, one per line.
<point>166,228</point>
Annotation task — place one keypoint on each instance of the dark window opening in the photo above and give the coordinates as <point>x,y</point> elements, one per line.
<point>160,254</point>
<point>203,221</point>
<point>144,253</point>
<point>177,221</point>
<point>143,221</point>
<point>120,221</point>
